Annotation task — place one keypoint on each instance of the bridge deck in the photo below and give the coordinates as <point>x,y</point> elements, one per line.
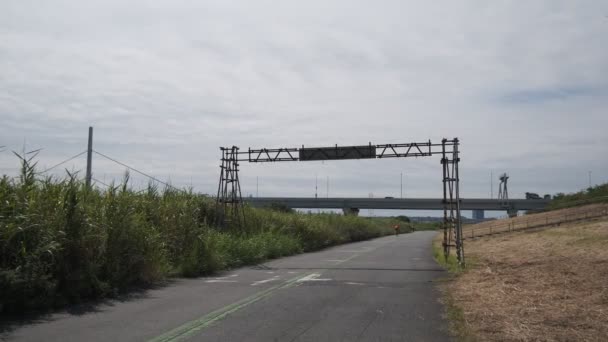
<point>396,203</point>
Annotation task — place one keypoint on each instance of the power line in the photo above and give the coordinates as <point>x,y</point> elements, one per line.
<point>63,162</point>
<point>110,187</point>
<point>100,182</point>
<point>140,172</point>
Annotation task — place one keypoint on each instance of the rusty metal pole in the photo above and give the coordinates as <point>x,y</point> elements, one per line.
<point>89,175</point>
<point>459,243</point>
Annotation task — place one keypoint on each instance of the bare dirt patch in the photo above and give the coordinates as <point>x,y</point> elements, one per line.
<point>549,285</point>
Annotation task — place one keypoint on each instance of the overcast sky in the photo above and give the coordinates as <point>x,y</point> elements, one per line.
<point>523,84</point>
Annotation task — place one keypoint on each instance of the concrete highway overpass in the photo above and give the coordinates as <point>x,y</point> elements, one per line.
<point>475,204</point>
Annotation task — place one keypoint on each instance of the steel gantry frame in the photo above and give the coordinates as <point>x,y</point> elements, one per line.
<point>229,199</point>
<point>264,155</point>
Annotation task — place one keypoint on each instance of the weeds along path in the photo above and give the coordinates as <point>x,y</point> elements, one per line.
<point>376,290</point>
<point>543,285</point>
<point>64,243</point>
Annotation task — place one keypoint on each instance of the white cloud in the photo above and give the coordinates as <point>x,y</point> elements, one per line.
<point>166,83</point>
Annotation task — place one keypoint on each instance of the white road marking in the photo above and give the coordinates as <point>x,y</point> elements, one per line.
<point>309,277</point>
<point>220,281</point>
<point>353,283</point>
<point>226,277</point>
<point>265,281</point>
<point>312,277</point>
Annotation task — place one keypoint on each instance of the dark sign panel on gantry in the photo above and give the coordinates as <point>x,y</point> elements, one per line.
<point>337,153</point>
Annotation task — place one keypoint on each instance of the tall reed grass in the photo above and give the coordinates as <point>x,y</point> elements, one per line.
<point>62,243</point>
<point>593,194</point>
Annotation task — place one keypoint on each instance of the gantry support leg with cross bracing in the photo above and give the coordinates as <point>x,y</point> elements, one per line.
<point>452,225</point>
<point>229,203</point>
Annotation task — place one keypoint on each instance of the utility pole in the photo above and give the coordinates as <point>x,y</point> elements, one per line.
<point>89,159</point>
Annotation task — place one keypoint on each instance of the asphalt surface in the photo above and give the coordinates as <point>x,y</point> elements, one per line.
<point>377,290</point>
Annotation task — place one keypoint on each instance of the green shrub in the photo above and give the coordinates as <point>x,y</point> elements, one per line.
<point>63,243</point>
<point>595,194</point>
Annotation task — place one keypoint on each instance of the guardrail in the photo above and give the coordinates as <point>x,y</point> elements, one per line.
<point>534,221</point>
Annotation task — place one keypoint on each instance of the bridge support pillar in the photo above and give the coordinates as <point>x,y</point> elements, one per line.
<point>351,211</point>
<point>478,214</point>
<point>512,212</point>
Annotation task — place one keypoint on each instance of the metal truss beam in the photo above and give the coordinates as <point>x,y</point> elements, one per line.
<point>270,155</point>
<point>405,150</point>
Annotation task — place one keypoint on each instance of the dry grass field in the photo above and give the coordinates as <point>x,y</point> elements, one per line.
<point>543,285</point>
<point>544,219</point>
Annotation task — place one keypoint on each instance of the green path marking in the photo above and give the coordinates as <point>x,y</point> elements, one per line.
<point>190,328</point>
